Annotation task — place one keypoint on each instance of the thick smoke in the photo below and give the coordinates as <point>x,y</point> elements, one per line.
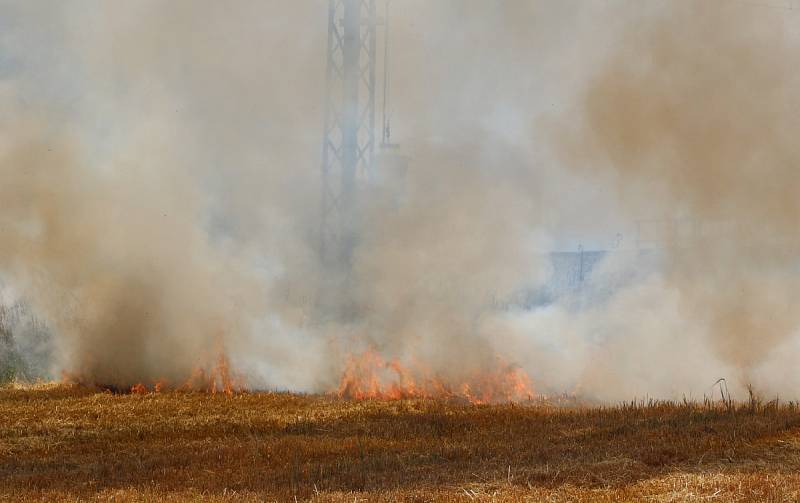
<point>162,184</point>
<point>113,263</point>
<point>690,118</point>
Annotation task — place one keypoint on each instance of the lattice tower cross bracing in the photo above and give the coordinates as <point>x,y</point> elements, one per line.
<point>349,135</point>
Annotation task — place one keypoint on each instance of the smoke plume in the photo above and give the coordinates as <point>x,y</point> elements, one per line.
<point>161,194</point>
<point>690,119</point>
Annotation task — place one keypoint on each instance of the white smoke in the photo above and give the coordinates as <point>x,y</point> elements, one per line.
<point>162,191</point>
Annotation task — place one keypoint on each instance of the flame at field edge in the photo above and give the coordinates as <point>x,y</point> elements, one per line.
<point>369,376</point>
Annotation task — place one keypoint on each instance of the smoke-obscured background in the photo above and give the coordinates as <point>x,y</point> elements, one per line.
<point>160,184</point>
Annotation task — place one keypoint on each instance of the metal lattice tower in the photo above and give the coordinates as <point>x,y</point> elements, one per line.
<point>349,135</point>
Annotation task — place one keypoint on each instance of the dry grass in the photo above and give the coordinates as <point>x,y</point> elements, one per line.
<point>69,443</point>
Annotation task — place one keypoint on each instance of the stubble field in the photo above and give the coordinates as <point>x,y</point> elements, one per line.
<point>69,443</point>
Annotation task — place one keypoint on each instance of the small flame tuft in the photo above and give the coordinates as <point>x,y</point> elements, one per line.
<point>139,389</point>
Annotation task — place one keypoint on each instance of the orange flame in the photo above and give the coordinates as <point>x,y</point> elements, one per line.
<point>220,379</point>
<point>139,389</point>
<point>217,378</point>
<point>370,376</point>
<point>159,385</point>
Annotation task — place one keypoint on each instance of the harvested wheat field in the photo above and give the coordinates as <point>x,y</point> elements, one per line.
<point>70,443</point>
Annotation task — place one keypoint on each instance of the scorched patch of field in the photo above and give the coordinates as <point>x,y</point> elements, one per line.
<point>72,443</point>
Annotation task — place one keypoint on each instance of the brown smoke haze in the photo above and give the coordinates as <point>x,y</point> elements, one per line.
<point>161,192</point>
<point>692,118</point>
<point>115,264</point>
